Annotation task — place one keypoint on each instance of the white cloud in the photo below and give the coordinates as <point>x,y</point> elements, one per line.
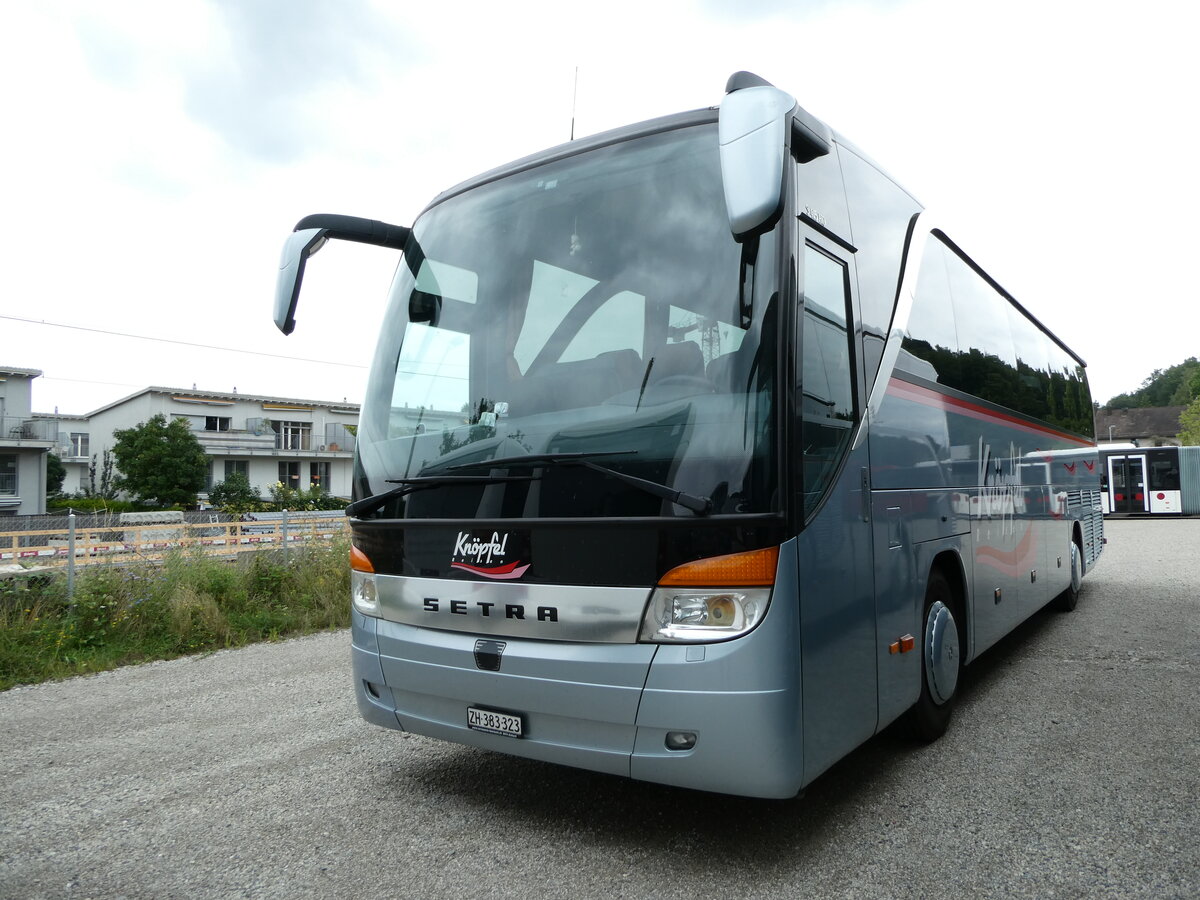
<point>155,157</point>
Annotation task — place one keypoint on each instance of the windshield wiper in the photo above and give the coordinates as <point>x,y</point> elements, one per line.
<point>421,482</point>
<point>503,462</point>
<point>699,505</point>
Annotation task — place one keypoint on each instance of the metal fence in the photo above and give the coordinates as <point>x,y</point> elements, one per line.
<point>71,542</point>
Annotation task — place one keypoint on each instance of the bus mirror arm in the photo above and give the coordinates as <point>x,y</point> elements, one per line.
<point>746,281</point>
<point>309,236</point>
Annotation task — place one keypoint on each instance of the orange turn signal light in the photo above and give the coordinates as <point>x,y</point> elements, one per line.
<point>906,643</point>
<point>359,561</point>
<point>753,569</point>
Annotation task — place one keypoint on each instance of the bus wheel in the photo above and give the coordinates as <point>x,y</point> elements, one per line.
<point>941,662</point>
<point>1069,599</point>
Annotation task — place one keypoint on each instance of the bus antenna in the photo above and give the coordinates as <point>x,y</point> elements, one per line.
<point>574,97</point>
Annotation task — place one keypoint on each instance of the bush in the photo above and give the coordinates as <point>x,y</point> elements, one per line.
<point>234,496</point>
<point>295,499</point>
<point>191,603</point>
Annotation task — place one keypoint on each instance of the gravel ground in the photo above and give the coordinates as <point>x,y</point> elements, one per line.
<point>1071,770</point>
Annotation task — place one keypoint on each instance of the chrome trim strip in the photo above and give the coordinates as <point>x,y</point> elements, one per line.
<point>577,613</point>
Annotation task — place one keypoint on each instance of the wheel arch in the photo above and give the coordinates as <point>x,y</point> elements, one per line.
<point>949,563</point>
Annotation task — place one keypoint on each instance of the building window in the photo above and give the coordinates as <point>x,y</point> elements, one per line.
<point>238,466</point>
<point>216,423</point>
<point>289,474</point>
<point>293,435</point>
<point>318,475</point>
<point>338,437</point>
<point>8,474</point>
<point>79,444</point>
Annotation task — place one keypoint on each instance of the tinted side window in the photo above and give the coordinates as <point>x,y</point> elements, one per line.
<point>932,335</point>
<point>827,387</point>
<point>1080,396</point>
<point>965,334</point>
<point>1033,395</point>
<point>880,212</point>
<point>988,364</point>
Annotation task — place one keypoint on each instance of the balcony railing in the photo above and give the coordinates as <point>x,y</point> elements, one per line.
<point>308,444</point>
<point>18,428</point>
<point>233,442</point>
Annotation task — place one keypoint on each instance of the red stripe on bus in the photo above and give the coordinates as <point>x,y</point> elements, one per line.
<point>925,396</point>
<point>1014,562</point>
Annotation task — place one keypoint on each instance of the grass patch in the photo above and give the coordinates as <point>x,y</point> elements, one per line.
<point>189,604</point>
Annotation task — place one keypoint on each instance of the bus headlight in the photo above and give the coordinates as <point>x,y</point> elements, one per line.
<point>676,615</point>
<point>363,592</point>
<point>712,599</point>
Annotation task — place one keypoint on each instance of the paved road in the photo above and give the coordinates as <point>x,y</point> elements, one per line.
<point>1072,770</point>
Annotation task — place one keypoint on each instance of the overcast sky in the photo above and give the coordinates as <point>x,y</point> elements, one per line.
<point>155,156</point>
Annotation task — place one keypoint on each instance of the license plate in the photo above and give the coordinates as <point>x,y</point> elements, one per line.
<point>494,722</point>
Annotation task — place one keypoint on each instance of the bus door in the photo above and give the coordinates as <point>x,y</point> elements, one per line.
<point>836,574</point>
<point>1127,483</point>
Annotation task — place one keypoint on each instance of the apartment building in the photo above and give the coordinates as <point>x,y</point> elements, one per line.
<point>300,443</point>
<point>25,441</point>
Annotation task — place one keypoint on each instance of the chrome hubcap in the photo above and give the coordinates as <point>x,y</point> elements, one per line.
<point>941,653</point>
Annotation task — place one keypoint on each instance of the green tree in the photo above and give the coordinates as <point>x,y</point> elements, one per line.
<point>161,463</point>
<point>1189,425</point>
<point>234,495</point>
<point>56,473</point>
<point>1175,386</point>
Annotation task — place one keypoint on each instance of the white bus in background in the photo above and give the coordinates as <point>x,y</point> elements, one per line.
<point>1150,481</point>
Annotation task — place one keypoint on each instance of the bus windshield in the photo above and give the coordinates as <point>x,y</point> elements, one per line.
<point>596,309</point>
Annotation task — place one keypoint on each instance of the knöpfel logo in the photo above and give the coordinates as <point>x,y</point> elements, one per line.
<point>486,557</point>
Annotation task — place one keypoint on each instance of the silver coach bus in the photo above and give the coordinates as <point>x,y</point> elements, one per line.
<point>694,452</point>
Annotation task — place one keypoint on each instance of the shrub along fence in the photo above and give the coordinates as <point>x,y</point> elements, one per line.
<point>184,600</point>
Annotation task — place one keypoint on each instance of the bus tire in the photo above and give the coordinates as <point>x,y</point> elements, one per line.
<point>1069,598</point>
<point>941,662</point>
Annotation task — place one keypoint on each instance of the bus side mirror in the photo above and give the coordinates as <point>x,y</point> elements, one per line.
<point>756,123</point>
<point>299,246</point>
<point>309,236</point>
<point>752,133</point>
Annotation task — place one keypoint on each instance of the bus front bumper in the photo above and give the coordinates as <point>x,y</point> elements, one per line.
<point>603,707</point>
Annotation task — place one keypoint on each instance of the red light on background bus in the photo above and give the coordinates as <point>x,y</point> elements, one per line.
<point>1161,496</point>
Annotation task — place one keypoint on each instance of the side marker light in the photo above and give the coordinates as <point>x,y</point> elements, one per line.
<point>906,643</point>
